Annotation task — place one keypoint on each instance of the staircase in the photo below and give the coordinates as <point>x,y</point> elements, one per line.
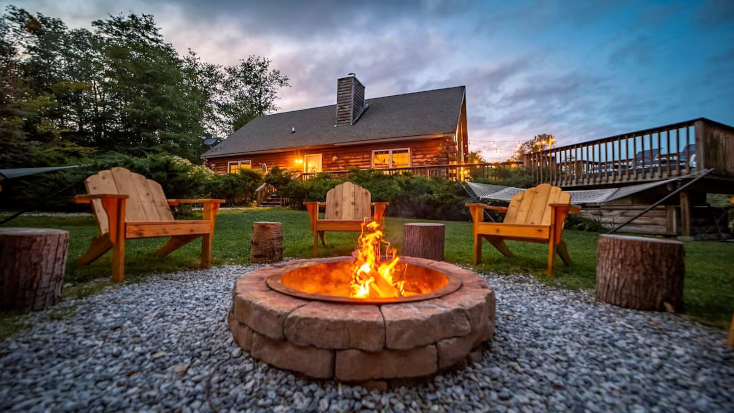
<point>274,200</point>
<point>267,197</point>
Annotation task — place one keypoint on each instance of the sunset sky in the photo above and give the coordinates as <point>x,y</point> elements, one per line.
<point>577,70</point>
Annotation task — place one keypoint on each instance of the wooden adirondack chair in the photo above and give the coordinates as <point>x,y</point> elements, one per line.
<point>347,206</point>
<point>535,215</point>
<point>129,206</point>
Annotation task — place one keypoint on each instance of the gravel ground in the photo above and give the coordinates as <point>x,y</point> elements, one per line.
<point>163,345</point>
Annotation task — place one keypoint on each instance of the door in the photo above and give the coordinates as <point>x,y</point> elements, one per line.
<point>312,163</point>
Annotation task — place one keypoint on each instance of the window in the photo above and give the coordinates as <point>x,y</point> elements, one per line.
<point>234,167</point>
<point>391,158</point>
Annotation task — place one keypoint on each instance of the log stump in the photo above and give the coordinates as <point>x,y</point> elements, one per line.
<point>266,244</point>
<point>424,240</point>
<point>32,267</point>
<point>640,273</point>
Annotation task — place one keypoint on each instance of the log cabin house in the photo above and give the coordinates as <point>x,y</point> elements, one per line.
<point>400,131</point>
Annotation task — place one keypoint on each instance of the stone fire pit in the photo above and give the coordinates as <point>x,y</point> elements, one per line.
<point>384,343</point>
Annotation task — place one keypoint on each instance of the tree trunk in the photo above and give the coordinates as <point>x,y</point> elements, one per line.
<point>266,244</point>
<point>32,267</point>
<point>640,273</point>
<point>424,240</point>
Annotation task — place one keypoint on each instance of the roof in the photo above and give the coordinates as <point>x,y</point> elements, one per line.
<point>417,114</point>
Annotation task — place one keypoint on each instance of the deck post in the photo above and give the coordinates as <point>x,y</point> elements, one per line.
<point>685,214</point>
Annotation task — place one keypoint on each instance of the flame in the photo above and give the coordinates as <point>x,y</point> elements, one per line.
<point>372,278</point>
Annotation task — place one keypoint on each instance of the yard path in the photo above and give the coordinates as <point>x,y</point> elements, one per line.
<point>153,346</point>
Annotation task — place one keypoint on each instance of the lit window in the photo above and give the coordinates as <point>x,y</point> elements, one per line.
<point>235,167</point>
<point>392,158</point>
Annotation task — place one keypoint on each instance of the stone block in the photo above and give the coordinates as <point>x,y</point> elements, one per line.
<point>241,333</point>
<point>335,326</point>
<point>410,325</point>
<point>451,351</point>
<point>311,361</point>
<point>265,311</point>
<point>358,365</point>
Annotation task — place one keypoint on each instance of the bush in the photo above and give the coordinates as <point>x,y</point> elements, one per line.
<point>179,178</point>
<point>236,189</point>
<point>591,223</point>
<point>409,196</point>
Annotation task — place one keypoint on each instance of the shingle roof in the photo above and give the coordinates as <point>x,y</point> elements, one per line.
<point>413,114</point>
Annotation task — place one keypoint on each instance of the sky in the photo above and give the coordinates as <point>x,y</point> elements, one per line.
<point>578,70</point>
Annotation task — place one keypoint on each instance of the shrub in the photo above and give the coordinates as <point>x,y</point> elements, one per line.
<point>236,189</point>
<point>178,177</point>
<point>591,223</point>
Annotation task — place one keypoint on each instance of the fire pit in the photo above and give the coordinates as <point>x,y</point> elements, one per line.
<point>361,319</point>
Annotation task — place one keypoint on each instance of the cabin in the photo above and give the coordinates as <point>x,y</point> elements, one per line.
<point>407,131</point>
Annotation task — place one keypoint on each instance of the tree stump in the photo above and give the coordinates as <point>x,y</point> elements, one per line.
<point>640,273</point>
<point>424,240</point>
<point>32,267</point>
<point>266,244</point>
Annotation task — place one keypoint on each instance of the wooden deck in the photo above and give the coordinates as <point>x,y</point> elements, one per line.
<point>643,156</point>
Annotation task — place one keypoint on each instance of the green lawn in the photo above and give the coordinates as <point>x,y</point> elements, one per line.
<point>709,283</point>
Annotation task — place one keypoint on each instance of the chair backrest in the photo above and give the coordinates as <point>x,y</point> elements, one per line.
<point>531,206</point>
<point>348,201</point>
<point>147,201</point>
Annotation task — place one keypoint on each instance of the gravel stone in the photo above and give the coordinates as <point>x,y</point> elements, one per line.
<point>164,345</point>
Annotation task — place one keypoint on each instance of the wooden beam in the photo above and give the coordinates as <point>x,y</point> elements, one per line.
<point>685,214</point>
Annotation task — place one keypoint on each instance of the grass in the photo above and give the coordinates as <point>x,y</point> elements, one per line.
<point>709,282</point>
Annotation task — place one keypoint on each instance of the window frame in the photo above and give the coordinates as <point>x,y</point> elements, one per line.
<point>390,162</point>
<point>239,165</point>
<point>313,155</point>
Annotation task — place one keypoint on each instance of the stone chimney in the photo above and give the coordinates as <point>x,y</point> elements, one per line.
<point>349,100</point>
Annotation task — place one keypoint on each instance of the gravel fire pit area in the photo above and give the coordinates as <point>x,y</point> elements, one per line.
<point>164,344</point>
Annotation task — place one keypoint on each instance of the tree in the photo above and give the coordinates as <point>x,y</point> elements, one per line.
<point>476,157</point>
<point>249,90</point>
<point>537,144</point>
<point>120,87</point>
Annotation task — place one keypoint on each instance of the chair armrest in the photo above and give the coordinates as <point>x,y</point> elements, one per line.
<point>572,209</point>
<point>175,202</point>
<point>499,209</point>
<point>87,198</point>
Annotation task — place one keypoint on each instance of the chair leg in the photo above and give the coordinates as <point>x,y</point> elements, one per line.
<point>499,243</point>
<point>206,251</point>
<point>118,260</point>
<point>563,253</point>
<point>477,249</point>
<point>99,246</point>
<point>551,256</point>
<point>175,243</point>
<point>322,234</point>
<point>315,244</point>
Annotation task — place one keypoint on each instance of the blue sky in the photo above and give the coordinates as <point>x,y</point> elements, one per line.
<point>579,70</point>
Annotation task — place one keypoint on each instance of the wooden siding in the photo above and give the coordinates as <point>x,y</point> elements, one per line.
<point>423,152</point>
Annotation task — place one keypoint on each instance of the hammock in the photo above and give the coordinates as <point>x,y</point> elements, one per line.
<point>589,196</point>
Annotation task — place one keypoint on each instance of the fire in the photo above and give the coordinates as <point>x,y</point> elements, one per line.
<point>371,277</point>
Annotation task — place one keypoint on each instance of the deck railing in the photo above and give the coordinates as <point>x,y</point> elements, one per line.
<point>459,172</point>
<point>642,156</point>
